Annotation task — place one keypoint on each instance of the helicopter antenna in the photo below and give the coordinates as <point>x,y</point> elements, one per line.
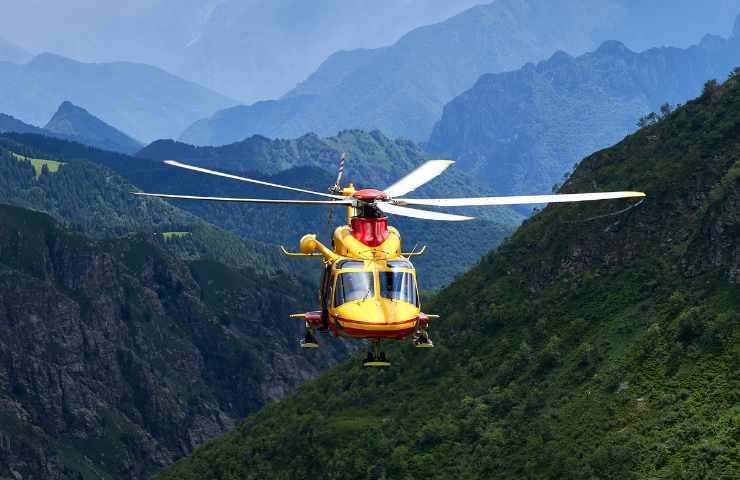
<point>340,174</point>
<point>335,189</point>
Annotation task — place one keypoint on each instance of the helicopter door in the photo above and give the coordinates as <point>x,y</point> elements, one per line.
<point>325,296</point>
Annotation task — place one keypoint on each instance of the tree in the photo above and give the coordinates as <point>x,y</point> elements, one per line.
<point>647,120</point>
<point>735,73</point>
<point>665,110</point>
<point>710,87</point>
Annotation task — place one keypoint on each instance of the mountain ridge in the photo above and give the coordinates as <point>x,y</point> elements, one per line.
<point>401,89</point>
<point>521,131</point>
<point>142,100</point>
<point>75,122</point>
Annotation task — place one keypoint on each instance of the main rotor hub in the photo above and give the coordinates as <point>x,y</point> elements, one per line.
<point>369,195</point>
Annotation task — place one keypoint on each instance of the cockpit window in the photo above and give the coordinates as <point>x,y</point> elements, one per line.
<point>353,286</point>
<point>349,264</point>
<point>399,286</point>
<point>399,264</point>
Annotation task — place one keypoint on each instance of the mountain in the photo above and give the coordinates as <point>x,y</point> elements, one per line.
<point>255,50</point>
<point>12,124</point>
<point>76,122</point>
<point>402,88</point>
<point>10,52</point>
<point>310,162</point>
<point>373,159</point>
<point>117,358</point>
<point>521,131</point>
<point>144,101</point>
<point>600,341</point>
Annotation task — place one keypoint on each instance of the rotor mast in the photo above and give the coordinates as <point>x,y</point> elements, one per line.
<point>348,191</point>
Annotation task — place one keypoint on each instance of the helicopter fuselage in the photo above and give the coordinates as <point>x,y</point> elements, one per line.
<point>368,289</point>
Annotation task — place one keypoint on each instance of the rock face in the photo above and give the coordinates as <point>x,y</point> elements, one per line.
<point>118,358</point>
<point>78,124</point>
<point>521,131</point>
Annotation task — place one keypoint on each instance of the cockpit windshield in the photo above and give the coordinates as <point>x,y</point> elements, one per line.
<point>398,286</point>
<point>353,286</point>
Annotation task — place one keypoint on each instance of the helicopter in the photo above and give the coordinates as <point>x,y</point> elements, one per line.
<point>368,287</point>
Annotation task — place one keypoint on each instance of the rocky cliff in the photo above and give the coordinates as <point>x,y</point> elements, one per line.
<point>116,358</point>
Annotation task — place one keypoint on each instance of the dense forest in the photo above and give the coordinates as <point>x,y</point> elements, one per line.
<point>91,198</point>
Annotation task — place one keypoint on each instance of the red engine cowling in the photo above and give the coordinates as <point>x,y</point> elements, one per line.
<point>370,231</point>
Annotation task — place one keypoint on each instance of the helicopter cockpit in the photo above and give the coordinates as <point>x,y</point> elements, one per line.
<point>357,280</point>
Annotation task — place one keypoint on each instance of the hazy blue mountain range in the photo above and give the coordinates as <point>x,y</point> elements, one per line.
<point>77,125</point>
<point>592,344</point>
<point>254,50</point>
<point>9,123</point>
<point>76,122</point>
<point>401,89</point>
<point>10,52</point>
<point>247,49</point>
<point>522,131</point>
<point>143,101</point>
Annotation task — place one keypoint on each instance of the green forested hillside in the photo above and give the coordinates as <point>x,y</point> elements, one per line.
<point>600,341</point>
<point>373,161</point>
<point>372,158</point>
<point>91,198</point>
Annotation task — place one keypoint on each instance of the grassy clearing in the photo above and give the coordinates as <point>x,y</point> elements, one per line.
<point>38,163</point>
<point>171,235</point>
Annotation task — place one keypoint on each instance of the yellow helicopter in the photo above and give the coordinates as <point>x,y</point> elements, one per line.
<point>369,288</point>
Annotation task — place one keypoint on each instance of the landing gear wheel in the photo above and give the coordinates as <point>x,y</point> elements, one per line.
<point>309,340</point>
<point>368,359</point>
<point>422,339</point>
<point>376,358</point>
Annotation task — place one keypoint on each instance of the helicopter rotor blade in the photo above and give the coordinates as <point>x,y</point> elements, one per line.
<point>418,177</point>
<point>246,200</point>
<point>249,180</point>
<point>423,214</point>
<point>517,200</point>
